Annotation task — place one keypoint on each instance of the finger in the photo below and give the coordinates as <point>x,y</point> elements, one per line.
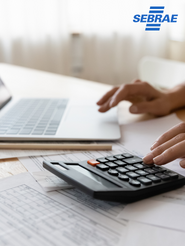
<point>148,159</point>
<point>182,163</point>
<point>136,89</point>
<point>107,96</point>
<point>170,154</point>
<point>180,128</point>
<point>136,81</point>
<point>105,107</point>
<point>152,107</point>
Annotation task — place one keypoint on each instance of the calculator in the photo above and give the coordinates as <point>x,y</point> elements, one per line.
<point>122,177</point>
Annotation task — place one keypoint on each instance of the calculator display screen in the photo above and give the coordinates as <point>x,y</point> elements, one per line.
<point>94,177</point>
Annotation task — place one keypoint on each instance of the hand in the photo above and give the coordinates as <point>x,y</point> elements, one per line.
<point>168,147</point>
<point>144,98</point>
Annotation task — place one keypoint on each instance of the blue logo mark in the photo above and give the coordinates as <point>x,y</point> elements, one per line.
<point>155,18</point>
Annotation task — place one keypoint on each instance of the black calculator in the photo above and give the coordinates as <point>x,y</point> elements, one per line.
<point>122,177</point>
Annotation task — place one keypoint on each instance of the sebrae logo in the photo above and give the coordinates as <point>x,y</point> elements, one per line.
<point>155,18</point>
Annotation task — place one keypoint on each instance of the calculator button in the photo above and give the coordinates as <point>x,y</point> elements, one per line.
<point>163,176</point>
<point>102,160</point>
<point>147,165</point>
<point>132,175</point>
<point>119,157</point>
<point>141,172</point>
<point>150,170</point>
<point>144,180</point>
<point>130,168</point>
<point>154,178</point>
<point>158,169</point>
<point>127,155</point>
<point>133,160</point>
<point>121,169</point>
<point>172,175</point>
<point>110,158</point>
<point>120,163</point>
<point>139,166</point>
<point>123,177</point>
<point>113,172</point>
<point>102,167</point>
<point>111,164</point>
<point>93,162</point>
<point>134,182</point>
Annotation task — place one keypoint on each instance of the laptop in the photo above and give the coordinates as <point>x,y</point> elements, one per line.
<point>54,119</point>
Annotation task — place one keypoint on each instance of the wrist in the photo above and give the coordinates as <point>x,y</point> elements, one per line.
<point>176,97</point>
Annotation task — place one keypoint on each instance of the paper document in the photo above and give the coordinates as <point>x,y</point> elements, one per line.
<point>139,234</point>
<point>29,216</point>
<point>166,210</point>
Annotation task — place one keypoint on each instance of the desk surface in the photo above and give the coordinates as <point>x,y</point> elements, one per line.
<point>26,82</point>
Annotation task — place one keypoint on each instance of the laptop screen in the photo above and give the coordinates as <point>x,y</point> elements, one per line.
<point>4,94</point>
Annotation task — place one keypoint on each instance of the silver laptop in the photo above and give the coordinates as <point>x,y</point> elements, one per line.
<point>34,119</point>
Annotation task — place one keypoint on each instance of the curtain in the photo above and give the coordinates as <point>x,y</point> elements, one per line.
<point>90,39</point>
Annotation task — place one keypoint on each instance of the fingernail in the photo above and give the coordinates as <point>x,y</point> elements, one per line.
<point>182,164</point>
<point>148,159</point>
<point>159,159</point>
<point>134,109</point>
<point>154,145</point>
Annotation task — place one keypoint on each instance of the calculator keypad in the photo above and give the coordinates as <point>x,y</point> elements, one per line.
<point>131,169</point>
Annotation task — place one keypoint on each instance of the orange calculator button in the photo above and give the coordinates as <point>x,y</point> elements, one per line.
<point>93,162</point>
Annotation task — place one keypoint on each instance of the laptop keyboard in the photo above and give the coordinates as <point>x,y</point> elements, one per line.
<point>33,117</point>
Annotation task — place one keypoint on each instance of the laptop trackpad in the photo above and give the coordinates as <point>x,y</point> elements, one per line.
<point>89,113</point>
<point>85,122</point>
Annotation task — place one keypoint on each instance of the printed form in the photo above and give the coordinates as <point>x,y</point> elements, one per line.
<point>30,216</point>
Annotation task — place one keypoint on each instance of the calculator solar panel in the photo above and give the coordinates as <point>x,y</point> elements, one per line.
<point>122,177</point>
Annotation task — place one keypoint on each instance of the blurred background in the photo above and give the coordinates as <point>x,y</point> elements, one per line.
<point>90,39</point>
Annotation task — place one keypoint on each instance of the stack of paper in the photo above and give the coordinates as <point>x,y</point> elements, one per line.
<point>29,216</point>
